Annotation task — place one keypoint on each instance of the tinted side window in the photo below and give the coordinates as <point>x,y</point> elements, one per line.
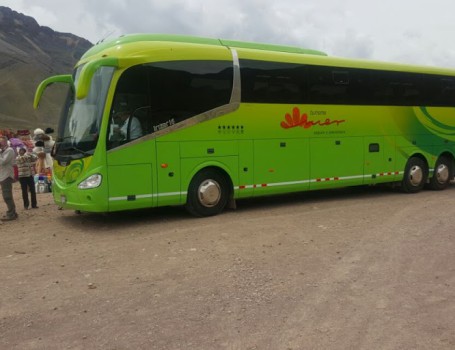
<point>396,88</point>
<point>272,82</point>
<point>277,82</point>
<point>448,89</point>
<point>131,95</point>
<point>182,89</point>
<point>440,90</point>
<point>328,85</point>
<point>338,85</point>
<point>162,94</point>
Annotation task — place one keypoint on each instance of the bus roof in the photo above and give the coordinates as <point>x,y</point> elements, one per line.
<point>131,38</point>
<point>259,50</point>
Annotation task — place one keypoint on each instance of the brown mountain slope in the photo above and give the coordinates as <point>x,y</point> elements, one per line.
<point>30,53</point>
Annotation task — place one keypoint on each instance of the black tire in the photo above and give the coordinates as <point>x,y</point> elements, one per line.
<point>208,193</point>
<point>442,175</point>
<point>415,175</point>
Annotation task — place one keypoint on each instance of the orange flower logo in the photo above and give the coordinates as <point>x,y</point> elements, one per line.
<point>297,119</point>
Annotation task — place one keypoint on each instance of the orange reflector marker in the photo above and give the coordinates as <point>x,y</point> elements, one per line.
<point>164,165</point>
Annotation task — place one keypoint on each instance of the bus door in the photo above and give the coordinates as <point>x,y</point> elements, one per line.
<point>280,165</point>
<point>168,173</point>
<point>336,162</point>
<point>130,175</point>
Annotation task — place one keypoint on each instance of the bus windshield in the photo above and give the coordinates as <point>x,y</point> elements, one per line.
<point>80,121</point>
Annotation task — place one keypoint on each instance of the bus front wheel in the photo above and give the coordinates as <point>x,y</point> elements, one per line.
<point>415,175</point>
<point>207,194</point>
<point>443,173</point>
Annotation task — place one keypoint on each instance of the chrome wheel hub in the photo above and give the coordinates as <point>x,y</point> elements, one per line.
<point>416,175</point>
<point>209,193</point>
<point>442,173</point>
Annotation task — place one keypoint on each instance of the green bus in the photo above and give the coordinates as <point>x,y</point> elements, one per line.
<point>157,120</point>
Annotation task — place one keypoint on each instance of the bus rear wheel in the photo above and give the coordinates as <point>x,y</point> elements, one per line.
<point>415,175</point>
<point>208,193</point>
<point>443,173</point>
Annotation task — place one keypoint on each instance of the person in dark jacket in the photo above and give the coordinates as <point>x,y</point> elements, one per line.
<point>25,166</point>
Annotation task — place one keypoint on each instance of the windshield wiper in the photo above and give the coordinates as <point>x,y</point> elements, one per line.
<point>72,148</point>
<point>61,139</point>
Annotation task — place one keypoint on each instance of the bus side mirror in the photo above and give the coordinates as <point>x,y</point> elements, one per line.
<point>66,79</point>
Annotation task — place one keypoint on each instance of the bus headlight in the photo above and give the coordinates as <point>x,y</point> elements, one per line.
<point>92,181</point>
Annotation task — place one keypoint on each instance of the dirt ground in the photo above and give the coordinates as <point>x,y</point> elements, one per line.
<point>367,268</point>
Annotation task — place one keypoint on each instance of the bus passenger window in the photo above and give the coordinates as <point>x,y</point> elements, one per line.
<point>272,82</point>
<point>162,94</point>
<point>179,90</point>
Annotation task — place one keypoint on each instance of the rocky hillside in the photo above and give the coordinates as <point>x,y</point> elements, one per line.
<point>30,53</point>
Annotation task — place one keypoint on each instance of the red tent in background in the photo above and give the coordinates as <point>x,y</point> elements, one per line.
<point>6,132</point>
<point>23,132</point>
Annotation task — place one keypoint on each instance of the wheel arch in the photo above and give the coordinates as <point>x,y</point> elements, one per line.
<point>449,155</point>
<point>423,158</point>
<point>415,174</point>
<point>442,172</point>
<point>216,166</point>
<point>209,191</point>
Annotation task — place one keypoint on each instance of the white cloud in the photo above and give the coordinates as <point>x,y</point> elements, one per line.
<point>409,31</point>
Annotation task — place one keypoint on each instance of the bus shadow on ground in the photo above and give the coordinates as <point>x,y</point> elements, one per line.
<point>125,219</point>
<point>168,215</point>
<point>317,197</point>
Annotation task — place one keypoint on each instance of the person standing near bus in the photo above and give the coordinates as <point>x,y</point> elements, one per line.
<point>47,144</point>
<point>25,167</point>
<point>7,158</point>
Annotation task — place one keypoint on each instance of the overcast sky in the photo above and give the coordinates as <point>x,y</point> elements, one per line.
<point>408,31</point>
